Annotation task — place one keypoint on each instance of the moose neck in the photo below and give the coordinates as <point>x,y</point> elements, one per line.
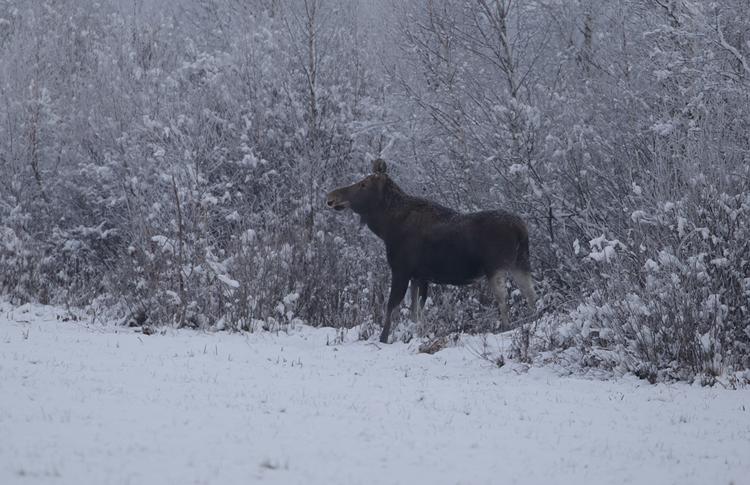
<point>383,219</point>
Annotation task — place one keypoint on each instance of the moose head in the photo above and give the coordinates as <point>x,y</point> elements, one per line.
<point>363,196</point>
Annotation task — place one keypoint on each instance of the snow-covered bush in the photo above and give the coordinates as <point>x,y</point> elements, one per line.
<point>173,163</point>
<point>671,302</point>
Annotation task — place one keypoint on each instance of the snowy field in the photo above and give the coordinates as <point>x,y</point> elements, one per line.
<point>83,403</point>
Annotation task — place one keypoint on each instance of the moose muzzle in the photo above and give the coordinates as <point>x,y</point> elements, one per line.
<point>335,202</point>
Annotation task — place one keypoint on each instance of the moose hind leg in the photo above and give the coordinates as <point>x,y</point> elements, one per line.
<point>526,285</point>
<point>398,290</point>
<point>497,283</point>
<point>423,294</point>
<point>415,288</point>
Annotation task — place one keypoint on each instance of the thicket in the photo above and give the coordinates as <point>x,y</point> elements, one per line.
<point>168,161</point>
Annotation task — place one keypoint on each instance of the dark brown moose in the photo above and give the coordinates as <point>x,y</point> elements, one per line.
<point>428,243</point>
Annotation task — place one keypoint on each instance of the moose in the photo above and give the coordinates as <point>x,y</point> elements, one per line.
<point>428,243</point>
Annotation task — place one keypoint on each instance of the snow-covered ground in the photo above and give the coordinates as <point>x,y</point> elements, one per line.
<point>83,403</point>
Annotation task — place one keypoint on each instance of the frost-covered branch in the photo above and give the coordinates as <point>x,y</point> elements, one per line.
<point>732,50</point>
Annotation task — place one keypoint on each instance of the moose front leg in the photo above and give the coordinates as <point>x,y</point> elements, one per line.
<point>399,283</point>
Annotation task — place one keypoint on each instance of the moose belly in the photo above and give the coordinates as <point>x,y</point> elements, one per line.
<point>450,266</point>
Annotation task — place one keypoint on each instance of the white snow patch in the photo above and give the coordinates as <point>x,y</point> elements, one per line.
<point>639,216</point>
<point>663,128</point>
<point>86,403</point>
<point>604,250</point>
<point>164,243</point>
<point>720,262</point>
<point>662,74</point>
<point>228,281</point>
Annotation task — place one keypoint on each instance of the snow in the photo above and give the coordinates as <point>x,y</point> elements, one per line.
<point>664,128</point>
<point>228,281</point>
<point>601,252</point>
<point>166,244</point>
<point>91,403</point>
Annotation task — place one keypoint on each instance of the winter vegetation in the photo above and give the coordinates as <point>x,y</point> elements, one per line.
<point>166,163</point>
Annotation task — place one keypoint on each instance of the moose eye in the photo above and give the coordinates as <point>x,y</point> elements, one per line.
<point>362,184</point>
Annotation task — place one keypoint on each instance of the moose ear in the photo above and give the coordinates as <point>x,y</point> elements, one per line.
<point>379,166</point>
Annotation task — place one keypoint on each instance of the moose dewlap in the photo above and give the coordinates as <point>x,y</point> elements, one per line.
<point>428,243</point>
